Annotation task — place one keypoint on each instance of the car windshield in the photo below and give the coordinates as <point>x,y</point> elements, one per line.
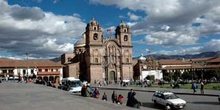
<point>171,96</point>
<point>75,83</point>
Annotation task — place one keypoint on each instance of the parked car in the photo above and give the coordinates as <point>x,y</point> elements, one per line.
<point>13,78</point>
<point>125,82</point>
<point>168,99</point>
<point>71,84</point>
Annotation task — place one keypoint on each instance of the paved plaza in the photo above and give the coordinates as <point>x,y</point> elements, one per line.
<point>22,96</point>
<point>213,93</point>
<point>29,96</point>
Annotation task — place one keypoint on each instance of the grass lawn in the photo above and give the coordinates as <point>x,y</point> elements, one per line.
<point>212,86</point>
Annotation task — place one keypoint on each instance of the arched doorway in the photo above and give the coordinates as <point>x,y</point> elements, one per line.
<point>45,78</point>
<point>51,78</point>
<point>112,75</point>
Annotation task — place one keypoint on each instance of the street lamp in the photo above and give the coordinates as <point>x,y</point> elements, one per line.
<point>203,64</point>
<point>171,75</point>
<point>191,69</point>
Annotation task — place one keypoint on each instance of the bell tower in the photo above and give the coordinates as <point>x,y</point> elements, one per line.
<point>94,45</point>
<point>123,37</point>
<point>93,33</point>
<point>123,34</point>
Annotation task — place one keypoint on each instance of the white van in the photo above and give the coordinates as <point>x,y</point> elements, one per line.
<point>71,84</point>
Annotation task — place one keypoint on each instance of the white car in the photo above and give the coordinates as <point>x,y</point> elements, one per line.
<point>168,99</point>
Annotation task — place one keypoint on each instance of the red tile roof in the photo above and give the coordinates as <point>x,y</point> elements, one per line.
<point>176,67</point>
<point>4,62</point>
<point>173,62</point>
<point>216,59</point>
<point>200,59</point>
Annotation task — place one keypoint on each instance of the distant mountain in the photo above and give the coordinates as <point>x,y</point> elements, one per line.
<point>187,56</point>
<point>56,59</point>
<point>160,56</point>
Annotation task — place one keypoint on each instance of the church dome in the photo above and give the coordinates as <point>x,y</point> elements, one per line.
<point>141,58</point>
<point>93,21</point>
<point>80,43</point>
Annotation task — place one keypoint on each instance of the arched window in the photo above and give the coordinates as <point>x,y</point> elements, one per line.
<point>127,60</point>
<point>96,60</point>
<point>125,30</point>
<point>94,28</point>
<point>69,58</point>
<point>112,59</point>
<point>95,36</point>
<point>126,38</point>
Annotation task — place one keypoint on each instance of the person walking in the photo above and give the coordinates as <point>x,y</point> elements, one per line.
<point>114,97</point>
<point>19,78</point>
<point>129,96</point>
<point>202,87</point>
<point>194,86</point>
<point>130,93</point>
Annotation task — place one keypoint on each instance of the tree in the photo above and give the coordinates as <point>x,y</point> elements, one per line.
<point>186,75</point>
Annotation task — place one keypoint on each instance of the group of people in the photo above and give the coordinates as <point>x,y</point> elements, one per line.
<point>117,98</point>
<point>194,87</point>
<point>88,91</point>
<point>131,99</point>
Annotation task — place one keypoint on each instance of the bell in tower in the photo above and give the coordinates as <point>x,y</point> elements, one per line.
<point>123,34</point>
<point>93,33</point>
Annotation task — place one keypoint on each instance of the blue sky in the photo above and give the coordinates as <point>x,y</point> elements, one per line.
<point>49,28</point>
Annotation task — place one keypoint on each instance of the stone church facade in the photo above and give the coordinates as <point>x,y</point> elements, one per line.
<point>96,57</point>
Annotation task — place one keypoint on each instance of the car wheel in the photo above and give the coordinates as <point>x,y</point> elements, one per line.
<point>155,102</point>
<point>167,107</point>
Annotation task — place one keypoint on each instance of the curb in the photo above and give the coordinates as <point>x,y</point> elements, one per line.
<point>180,93</point>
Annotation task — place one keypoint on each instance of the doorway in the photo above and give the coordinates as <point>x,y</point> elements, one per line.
<point>112,75</point>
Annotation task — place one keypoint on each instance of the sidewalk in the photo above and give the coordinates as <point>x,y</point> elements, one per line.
<point>29,96</point>
<point>214,93</point>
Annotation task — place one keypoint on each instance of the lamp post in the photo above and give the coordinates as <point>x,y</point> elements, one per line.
<point>203,64</point>
<point>191,69</point>
<point>27,54</point>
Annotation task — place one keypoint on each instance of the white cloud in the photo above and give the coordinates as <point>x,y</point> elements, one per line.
<point>32,30</point>
<point>165,27</point>
<point>133,17</point>
<point>169,22</point>
<point>170,38</point>
<point>130,4</point>
<point>165,11</point>
<point>213,45</point>
<point>181,51</point>
<point>55,1</point>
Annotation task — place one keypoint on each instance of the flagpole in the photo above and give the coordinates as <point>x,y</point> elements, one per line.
<point>110,33</point>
